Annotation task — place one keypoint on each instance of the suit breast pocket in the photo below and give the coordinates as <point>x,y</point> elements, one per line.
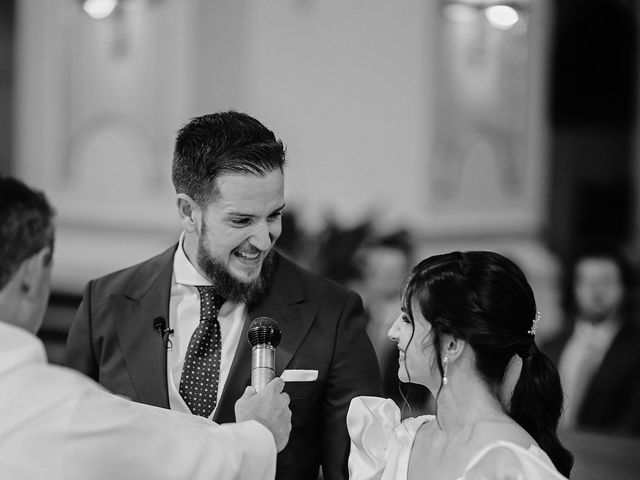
<point>299,390</point>
<point>299,383</point>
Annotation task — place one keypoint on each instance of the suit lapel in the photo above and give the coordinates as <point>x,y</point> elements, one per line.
<point>286,304</point>
<point>143,351</point>
<point>610,372</point>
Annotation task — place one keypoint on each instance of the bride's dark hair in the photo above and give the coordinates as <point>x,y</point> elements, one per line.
<point>486,300</point>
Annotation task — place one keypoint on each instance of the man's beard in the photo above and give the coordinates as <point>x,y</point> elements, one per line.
<point>230,287</point>
<point>599,314</point>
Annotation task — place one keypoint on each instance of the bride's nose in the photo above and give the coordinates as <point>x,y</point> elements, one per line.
<point>394,331</point>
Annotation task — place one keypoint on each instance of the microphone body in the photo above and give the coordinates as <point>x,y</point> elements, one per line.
<point>263,366</point>
<point>264,336</point>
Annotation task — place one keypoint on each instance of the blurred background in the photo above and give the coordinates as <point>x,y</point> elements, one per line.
<point>412,128</point>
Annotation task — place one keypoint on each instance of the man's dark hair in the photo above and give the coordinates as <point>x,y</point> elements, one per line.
<point>222,143</point>
<point>26,225</point>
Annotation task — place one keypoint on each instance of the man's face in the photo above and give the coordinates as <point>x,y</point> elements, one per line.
<point>598,288</point>
<point>384,270</point>
<point>239,230</point>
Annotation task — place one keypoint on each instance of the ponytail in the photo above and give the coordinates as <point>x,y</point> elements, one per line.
<point>536,404</point>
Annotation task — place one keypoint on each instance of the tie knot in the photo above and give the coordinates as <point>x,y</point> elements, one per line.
<point>210,301</point>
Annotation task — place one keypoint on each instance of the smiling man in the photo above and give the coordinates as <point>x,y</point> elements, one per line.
<point>171,331</point>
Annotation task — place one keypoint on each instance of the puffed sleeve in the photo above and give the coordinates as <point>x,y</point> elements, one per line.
<point>507,461</point>
<point>370,421</point>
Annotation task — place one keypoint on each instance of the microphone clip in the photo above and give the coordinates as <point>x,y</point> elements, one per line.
<point>161,328</point>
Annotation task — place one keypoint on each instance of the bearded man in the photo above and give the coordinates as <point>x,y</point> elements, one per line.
<point>597,350</point>
<point>171,331</point>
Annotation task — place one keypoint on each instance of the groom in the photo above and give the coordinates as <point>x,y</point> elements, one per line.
<point>228,175</point>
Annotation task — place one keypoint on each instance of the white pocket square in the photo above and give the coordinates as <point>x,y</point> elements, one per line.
<point>299,375</point>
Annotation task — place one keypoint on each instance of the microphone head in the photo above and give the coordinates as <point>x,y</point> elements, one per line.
<point>264,330</point>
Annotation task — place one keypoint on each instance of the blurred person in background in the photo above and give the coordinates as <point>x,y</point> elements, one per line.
<point>383,261</point>
<point>374,264</point>
<point>60,425</point>
<point>202,293</point>
<point>598,350</point>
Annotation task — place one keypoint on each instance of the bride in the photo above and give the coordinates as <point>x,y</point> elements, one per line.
<point>466,332</point>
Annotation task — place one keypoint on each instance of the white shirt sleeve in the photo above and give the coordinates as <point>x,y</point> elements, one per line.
<point>109,437</point>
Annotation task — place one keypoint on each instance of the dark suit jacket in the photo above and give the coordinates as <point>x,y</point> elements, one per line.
<point>612,399</point>
<point>112,339</point>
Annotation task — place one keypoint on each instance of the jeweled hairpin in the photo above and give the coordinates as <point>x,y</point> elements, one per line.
<point>534,325</point>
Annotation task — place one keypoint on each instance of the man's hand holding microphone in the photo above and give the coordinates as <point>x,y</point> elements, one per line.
<point>270,407</point>
<point>265,401</point>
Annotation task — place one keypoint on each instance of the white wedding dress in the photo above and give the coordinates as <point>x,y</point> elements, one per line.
<point>381,445</point>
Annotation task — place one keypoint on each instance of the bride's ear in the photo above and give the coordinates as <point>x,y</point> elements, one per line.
<point>452,347</point>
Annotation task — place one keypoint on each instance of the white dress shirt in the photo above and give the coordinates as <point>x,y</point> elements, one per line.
<point>184,317</point>
<point>57,424</point>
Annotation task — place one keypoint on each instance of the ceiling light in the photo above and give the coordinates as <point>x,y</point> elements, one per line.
<point>502,16</point>
<point>99,9</point>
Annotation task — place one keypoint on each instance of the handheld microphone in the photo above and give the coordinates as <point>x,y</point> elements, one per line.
<point>264,336</point>
<point>160,326</point>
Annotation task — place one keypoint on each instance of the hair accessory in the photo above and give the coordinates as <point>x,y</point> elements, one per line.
<point>534,325</point>
<point>445,363</point>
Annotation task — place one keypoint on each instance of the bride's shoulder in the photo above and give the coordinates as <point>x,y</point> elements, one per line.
<point>505,430</point>
<point>503,460</point>
<point>504,446</point>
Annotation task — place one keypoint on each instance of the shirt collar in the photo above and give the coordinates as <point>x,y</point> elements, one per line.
<point>18,348</point>
<point>183,270</point>
<point>599,334</point>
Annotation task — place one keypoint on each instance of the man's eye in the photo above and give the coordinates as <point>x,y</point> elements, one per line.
<point>275,216</point>
<point>240,222</point>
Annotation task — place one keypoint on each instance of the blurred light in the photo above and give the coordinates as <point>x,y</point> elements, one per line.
<point>502,16</point>
<point>457,12</point>
<point>99,8</point>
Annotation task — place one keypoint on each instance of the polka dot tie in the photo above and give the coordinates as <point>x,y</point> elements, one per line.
<point>201,370</point>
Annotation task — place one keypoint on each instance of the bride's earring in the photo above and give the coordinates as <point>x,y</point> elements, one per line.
<point>445,365</point>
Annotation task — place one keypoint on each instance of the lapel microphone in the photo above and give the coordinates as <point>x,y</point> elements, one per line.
<point>264,336</point>
<point>160,326</point>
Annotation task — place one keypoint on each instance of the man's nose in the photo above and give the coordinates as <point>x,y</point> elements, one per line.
<point>261,237</point>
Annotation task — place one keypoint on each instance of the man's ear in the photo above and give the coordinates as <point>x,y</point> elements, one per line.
<point>32,272</point>
<point>452,347</point>
<point>189,212</point>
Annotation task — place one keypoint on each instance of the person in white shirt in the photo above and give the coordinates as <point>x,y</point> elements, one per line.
<point>55,423</point>
<point>597,350</point>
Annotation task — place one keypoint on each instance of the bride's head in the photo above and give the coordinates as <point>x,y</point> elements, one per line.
<point>480,303</point>
<point>479,300</point>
